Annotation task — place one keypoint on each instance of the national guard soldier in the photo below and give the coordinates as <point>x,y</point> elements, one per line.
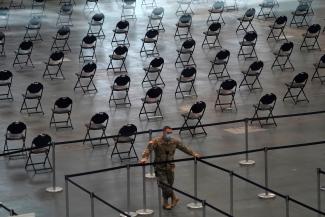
<point>164,148</point>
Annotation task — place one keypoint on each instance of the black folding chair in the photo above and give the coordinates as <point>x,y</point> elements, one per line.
<point>62,106</point>
<point>88,48</point>
<point>254,71</point>
<point>4,17</point>
<point>64,15</point>
<point>91,5</point>
<point>98,122</point>
<point>266,10</point>
<point>213,32</point>
<point>216,9</point>
<point>153,72</point>
<point>265,105</point>
<point>186,78</point>
<point>60,40</point>
<point>121,84</point>
<point>247,45</point>
<point>119,55</point>
<point>87,74</point>
<point>6,82</point>
<point>311,37</point>
<point>319,66</point>
<point>277,29</point>
<point>126,137</point>
<point>122,28</point>
<point>41,146</point>
<point>150,38</point>
<point>153,99</point>
<point>55,61</point>
<point>155,19</point>
<point>184,7</point>
<point>34,92</point>
<point>309,3</point>
<point>221,59</point>
<point>183,27</point>
<point>298,83</point>
<point>227,90</point>
<point>38,7</point>
<point>185,53</point>
<point>283,55</point>
<point>2,44</point>
<point>33,29</point>
<point>96,26</point>
<point>247,18</point>
<point>194,115</point>
<point>16,131</point>
<point>24,50</point>
<point>301,12</point>
<point>16,4</point>
<point>128,9</point>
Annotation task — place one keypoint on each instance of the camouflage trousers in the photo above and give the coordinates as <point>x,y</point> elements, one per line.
<point>165,176</point>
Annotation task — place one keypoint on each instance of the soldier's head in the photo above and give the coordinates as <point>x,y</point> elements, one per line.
<point>167,132</point>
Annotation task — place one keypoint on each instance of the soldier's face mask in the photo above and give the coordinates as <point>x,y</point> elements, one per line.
<point>168,136</point>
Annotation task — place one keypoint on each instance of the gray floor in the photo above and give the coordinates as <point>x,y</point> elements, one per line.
<point>292,172</point>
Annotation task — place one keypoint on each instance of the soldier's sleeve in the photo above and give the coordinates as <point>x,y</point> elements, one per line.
<point>184,148</point>
<point>148,149</point>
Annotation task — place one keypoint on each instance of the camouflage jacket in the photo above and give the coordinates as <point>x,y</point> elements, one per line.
<point>165,151</point>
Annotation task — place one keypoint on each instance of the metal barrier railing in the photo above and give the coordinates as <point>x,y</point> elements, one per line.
<point>10,211</point>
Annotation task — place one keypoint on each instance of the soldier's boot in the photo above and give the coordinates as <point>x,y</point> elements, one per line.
<point>166,205</point>
<point>175,200</point>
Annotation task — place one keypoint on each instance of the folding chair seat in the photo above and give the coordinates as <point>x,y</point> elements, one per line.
<point>309,3</point>
<point>34,92</point>
<point>194,115</point>
<point>266,10</point>
<point>122,28</point>
<point>186,50</point>
<point>86,77</point>
<point>119,55</point>
<point>121,84</point>
<point>254,71</point>
<point>91,5</point>
<point>15,133</point>
<point>221,59</point>
<point>277,29</point>
<point>38,7</point>
<point>41,145</point>
<point>184,7</point>
<point>155,19</point>
<point>153,72</point>
<point>227,90</point>
<point>2,43</point>
<point>216,9</point>
<point>128,6</point>
<point>4,17</point>
<point>266,105</point>
<point>60,40</point>
<point>126,137</point>
<point>150,3</point>
<point>24,51</point>
<point>319,66</point>
<point>88,48</point>
<point>98,123</point>
<point>64,15</point>
<point>283,54</point>
<point>186,78</point>
<point>232,6</point>
<point>298,83</point>
<point>6,82</point>
<point>247,45</point>
<point>62,106</point>
<point>96,25</point>
<point>33,29</point>
<point>183,27</point>
<point>150,38</point>
<point>300,13</point>
<point>247,18</point>
<point>310,40</point>
<point>16,4</point>
<point>152,99</point>
<point>213,32</point>
<point>55,61</point>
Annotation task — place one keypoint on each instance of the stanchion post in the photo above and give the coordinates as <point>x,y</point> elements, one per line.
<point>231,190</point>
<point>195,204</point>
<point>67,204</point>
<point>322,188</point>
<point>159,200</point>
<point>318,189</point>
<point>266,194</point>
<point>287,205</point>
<point>144,211</point>
<point>92,205</point>
<point>246,162</point>
<point>151,174</point>
<point>128,194</point>
<point>11,212</point>
<point>53,188</point>
<point>203,208</point>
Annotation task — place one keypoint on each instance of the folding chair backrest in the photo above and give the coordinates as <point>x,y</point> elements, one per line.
<point>42,141</point>
<point>188,72</point>
<point>157,62</point>
<point>314,29</point>
<point>188,44</point>
<point>16,127</point>
<point>219,5</point>
<point>26,45</point>
<point>66,8</point>
<point>129,2</point>
<point>99,118</point>
<point>122,25</point>
<point>63,102</point>
<point>89,68</point>
<point>215,26</point>
<point>89,41</point>
<point>302,77</point>
<point>198,108</point>
<point>302,9</point>
<point>158,11</point>
<point>250,13</point>
<point>223,54</point>
<point>5,75</point>
<point>250,36</point>
<point>185,18</point>
<point>322,61</point>
<point>256,66</point>
<point>57,56</point>
<point>2,37</point>
<point>152,33</point>
<point>280,21</point>
<point>121,50</point>
<point>154,93</point>
<point>122,80</point>
<point>98,18</point>
<point>268,99</point>
<point>286,48</point>
<point>128,130</point>
<point>63,32</point>
<point>39,1</point>
<point>34,22</point>
<point>35,88</point>
<point>228,84</point>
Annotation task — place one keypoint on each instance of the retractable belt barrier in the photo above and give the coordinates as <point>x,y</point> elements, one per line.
<point>10,211</point>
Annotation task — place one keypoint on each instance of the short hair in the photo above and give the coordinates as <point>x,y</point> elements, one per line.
<point>167,128</point>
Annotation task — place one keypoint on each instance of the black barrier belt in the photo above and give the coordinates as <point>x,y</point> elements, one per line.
<point>321,171</point>
<point>232,153</point>
<point>263,187</point>
<point>195,198</point>
<point>110,205</point>
<point>11,211</point>
<point>78,186</point>
<point>96,171</point>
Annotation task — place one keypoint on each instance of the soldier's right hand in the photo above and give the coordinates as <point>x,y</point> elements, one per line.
<point>143,161</point>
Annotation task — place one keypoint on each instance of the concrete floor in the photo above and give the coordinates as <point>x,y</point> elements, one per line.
<point>292,172</point>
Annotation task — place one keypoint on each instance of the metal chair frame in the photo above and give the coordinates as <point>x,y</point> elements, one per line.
<point>62,106</point>
<point>153,97</point>
<point>88,72</point>
<point>221,59</point>
<point>98,122</point>
<point>121,84</point>
<point>298,82</point>
<point>187,76</point>
<point>227,88</point>
<point>33,92</point>
<point>55,61</point>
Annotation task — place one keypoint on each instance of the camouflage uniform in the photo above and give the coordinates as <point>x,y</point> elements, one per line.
<point>165,151</point>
